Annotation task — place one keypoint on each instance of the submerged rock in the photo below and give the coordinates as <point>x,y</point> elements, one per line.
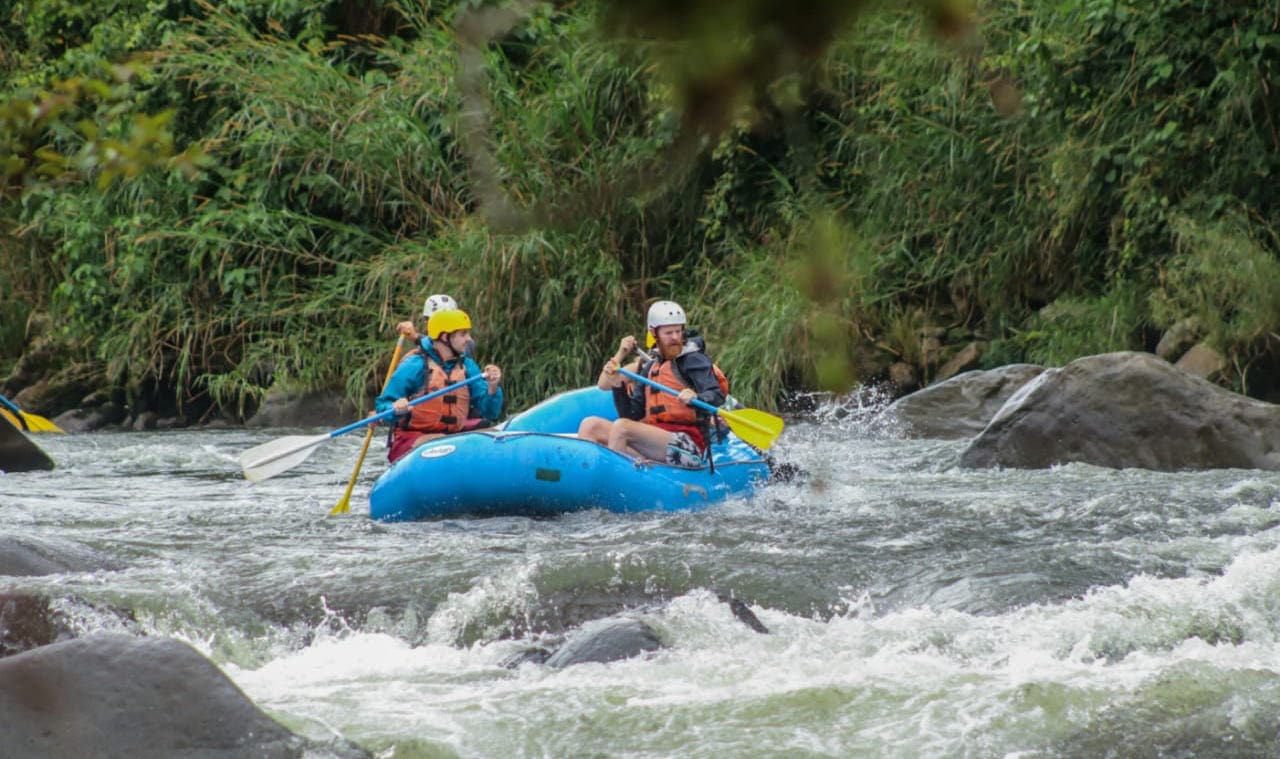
<point>961,406</point>
<point>606,640</point>
<point>615,639</point>
<point>27,557</point>
<point>120,696</point>
<point>1128,409</point>
<point>27,621</point>
<point>744,614</point>
<point>30,620</point>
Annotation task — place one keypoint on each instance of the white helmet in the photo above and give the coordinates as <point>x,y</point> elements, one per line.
<point>664,313</point>
<point>438,303</point>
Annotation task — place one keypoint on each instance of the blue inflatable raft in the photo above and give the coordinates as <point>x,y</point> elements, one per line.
<point>534,465</point>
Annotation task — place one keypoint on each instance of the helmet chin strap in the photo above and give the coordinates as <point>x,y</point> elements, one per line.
<point>446,338</point>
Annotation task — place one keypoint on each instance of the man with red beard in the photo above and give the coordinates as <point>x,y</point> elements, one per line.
<point>652,424</point>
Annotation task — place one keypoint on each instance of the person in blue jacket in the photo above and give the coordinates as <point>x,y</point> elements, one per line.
<point>439,360</point>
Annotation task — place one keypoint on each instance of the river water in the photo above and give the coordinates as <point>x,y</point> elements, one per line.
<point>914,609</point>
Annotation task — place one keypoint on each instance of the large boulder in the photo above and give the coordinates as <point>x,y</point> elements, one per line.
<point>110,696</point>
<point>289,409</point>
<point>1128,410</point>
<point>960,407</point>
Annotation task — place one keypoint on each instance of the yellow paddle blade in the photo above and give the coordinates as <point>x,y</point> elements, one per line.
<point>37,423</point>
<point>28,422</point>
<point>756,427</point>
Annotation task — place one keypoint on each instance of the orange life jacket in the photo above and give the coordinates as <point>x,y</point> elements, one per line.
<point>446,413</point>
<point>663,408</point>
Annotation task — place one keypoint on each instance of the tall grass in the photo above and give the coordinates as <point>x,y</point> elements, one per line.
<point>818,218</point>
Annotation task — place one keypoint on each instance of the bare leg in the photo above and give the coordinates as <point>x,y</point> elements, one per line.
<point>639,439</point>
<point>595,429</point>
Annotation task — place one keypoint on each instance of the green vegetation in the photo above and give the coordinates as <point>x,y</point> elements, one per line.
<point>210,200</point>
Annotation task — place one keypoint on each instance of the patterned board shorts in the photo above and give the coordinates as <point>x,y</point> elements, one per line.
<point>683,452</point>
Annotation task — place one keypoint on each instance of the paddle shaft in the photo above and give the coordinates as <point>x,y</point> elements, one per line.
<point>695,402</point>
<point>362,423</point>
<point>392,412</point>
<point>343,504</point>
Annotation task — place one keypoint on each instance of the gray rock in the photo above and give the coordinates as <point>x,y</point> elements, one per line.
<point>109,696</point>
<point>1128,410</point>
<point>1179,338</point>
<point>606,640</point>
<point>744,614</point>
<point>1202,361</point>
<point>147,420</point>
<point>91,419</point>
<point>26,557</point>
<point>27,621</point>
<point>30,620</point>
<point>289,409</point>
<point>961,406</point>
<point>965,359</point>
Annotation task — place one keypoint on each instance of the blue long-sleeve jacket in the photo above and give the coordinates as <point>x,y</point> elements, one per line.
<point>412,371</point>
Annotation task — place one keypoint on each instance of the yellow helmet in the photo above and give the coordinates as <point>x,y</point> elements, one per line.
<point>447,321</point>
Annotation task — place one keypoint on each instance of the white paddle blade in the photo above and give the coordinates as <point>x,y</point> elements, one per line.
<point>269,459</point>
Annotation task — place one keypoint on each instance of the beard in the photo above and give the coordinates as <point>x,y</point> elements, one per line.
<point>670,351</point>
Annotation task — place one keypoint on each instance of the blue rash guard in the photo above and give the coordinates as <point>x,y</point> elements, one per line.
<point>408,377</point>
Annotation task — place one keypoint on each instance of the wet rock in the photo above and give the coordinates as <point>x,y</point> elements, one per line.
<point>48,396</point>
<point>532,655</point>
<point>614,639</point>
<point>28,621</point>
<point>605,641</point>
<point>90,419</point>
<point>1128,409</point>
<point>24,557</point>
<point>961,406</point>
<point>147,420</point>
<point>120,696</point>
<point>744,614</point>
<point>290,409</point>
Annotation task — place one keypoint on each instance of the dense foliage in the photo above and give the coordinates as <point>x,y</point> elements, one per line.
<point>285,180</point>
